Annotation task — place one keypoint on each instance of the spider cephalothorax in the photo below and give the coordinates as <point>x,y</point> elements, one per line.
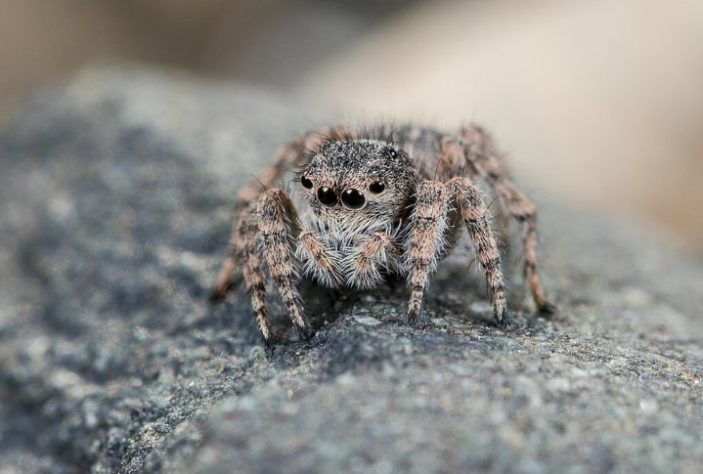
<point>357,186</point>
<point>366,205</point>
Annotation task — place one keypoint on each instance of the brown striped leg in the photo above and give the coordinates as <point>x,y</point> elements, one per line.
<point>428,223</point>
<point>475,214</point>
<point>288,156</point>
<point>523,210</point>
<point>489,163</point>
<point>245,247</point>
<point>481,152</point>
<point>254,280</point>
<point>366,260</point>
<point>223,284</point>
<point>277,222</point>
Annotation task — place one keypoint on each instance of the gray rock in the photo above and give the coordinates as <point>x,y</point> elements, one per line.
<point>115,200</point>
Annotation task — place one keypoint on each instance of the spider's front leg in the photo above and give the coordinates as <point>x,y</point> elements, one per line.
<point>289,155</point>
<point>278,221</point>
<point>428,226</point>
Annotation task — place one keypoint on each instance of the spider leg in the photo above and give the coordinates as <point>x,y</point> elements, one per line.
<point>254,281</point>
<point>225,277</point>
<point>525,212</point>
<point>475,214</point>
<point>235,248</point>
<point>277,223</point>
<point>365,260</point>
<point>480,151</point>
<point>428,223</point>
<point>292,154</point>
<point>243,245</point>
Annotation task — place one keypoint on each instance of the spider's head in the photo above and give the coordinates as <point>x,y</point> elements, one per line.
<point>364,182</point>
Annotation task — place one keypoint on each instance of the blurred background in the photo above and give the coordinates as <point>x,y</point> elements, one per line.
<point>598,103</point>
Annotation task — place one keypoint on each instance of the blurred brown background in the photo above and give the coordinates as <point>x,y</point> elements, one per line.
<point>598,103</point>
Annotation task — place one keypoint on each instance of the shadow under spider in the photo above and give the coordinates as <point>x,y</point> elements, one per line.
<point>452,294</point>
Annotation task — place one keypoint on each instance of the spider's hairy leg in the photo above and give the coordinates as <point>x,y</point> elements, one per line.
<point>428,223</point>
<point>235,251</point>
<point>475,214</point>
<point>365,260</point>
<point>321,263</point>
<point>292,154</point>
<point>481,152</point>
<point>278,222</point>
<point>525,212</point>
<point>244,246</point>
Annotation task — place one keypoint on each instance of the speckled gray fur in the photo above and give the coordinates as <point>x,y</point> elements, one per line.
<point>115,198</point>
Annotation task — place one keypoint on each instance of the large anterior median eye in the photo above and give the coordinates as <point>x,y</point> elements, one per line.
<point>307,184</point>
<point>326,196</point>
<point>353,199</point>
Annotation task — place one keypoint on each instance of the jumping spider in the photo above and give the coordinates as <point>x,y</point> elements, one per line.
<point>364,205</point>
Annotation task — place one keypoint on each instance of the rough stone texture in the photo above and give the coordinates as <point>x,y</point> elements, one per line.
<point>115,198</point>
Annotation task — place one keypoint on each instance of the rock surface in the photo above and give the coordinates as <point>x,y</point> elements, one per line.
<point>115,198</point>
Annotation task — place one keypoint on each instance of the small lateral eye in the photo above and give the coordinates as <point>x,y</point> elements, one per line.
<point>377,187</point>
<point>307,184</point>
<point>392,153</point>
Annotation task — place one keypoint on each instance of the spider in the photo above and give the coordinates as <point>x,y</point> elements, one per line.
<point>350,208</point>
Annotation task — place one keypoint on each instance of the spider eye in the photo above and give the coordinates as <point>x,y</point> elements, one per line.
<point>377,187</point>
<point>326,196</point>
<point>392,153</point>
<point>307,184</point>
<point>353,199</point>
